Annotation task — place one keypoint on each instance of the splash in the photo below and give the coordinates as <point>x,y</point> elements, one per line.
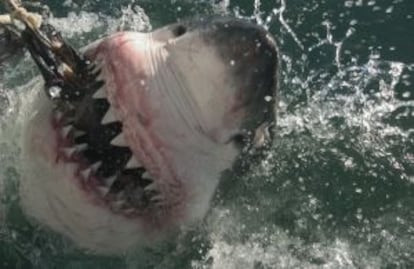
<point>275,248</point>
<point>333,190</point>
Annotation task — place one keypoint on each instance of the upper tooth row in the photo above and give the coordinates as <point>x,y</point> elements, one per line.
<point>110,114</point>
<point>119,140</point>
<point>100,93</point>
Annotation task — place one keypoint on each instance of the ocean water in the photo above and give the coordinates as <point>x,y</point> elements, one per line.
<point>336,190</point>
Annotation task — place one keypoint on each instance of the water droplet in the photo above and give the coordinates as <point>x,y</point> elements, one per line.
<point>349,163</point>
<point>55,91</point>
<point>359,215</point>
<point>349,3</point>
<point>389,10</point>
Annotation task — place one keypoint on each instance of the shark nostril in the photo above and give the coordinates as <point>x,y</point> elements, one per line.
<point>179,30</point>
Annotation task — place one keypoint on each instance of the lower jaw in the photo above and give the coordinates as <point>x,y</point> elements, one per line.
<point>51,194</point>
<point>54,198</point>
<point>98,194</point>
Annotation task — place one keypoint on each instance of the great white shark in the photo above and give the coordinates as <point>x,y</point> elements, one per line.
<point>133,147</point>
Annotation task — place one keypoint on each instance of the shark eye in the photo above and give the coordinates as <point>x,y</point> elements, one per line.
<point>241,140</point>
<point>179,30</point>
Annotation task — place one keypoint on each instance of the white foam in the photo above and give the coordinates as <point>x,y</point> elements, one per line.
<point>271,247</point>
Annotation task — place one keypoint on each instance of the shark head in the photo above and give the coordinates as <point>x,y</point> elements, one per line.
<point>141,148</point>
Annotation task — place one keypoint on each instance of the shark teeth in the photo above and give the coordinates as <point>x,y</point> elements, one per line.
<point>119,141</point>
<point>69,151</point>
<point>78,133</point>
<point>109,117</point>
<point>146,175</point>
<point>133,163</point>
<point>96,166</point>
<point>86,173</point>
<point>102,190</point>
<point>109,181</point>
<point>80,147</point>
<point>151,187</point>
<point>99,94</point>
<point>66,130</point>
<point>96,68</point>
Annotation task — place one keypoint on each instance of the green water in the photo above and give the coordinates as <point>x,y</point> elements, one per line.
<point>335,191</point>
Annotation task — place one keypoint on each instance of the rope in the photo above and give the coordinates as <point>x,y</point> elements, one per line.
<point>18,13</point>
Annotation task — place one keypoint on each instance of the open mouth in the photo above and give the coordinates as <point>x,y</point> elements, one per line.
<point>106,165</point>
<point>144,125</point>
<point>88,131</point>
<point>146,84</point>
